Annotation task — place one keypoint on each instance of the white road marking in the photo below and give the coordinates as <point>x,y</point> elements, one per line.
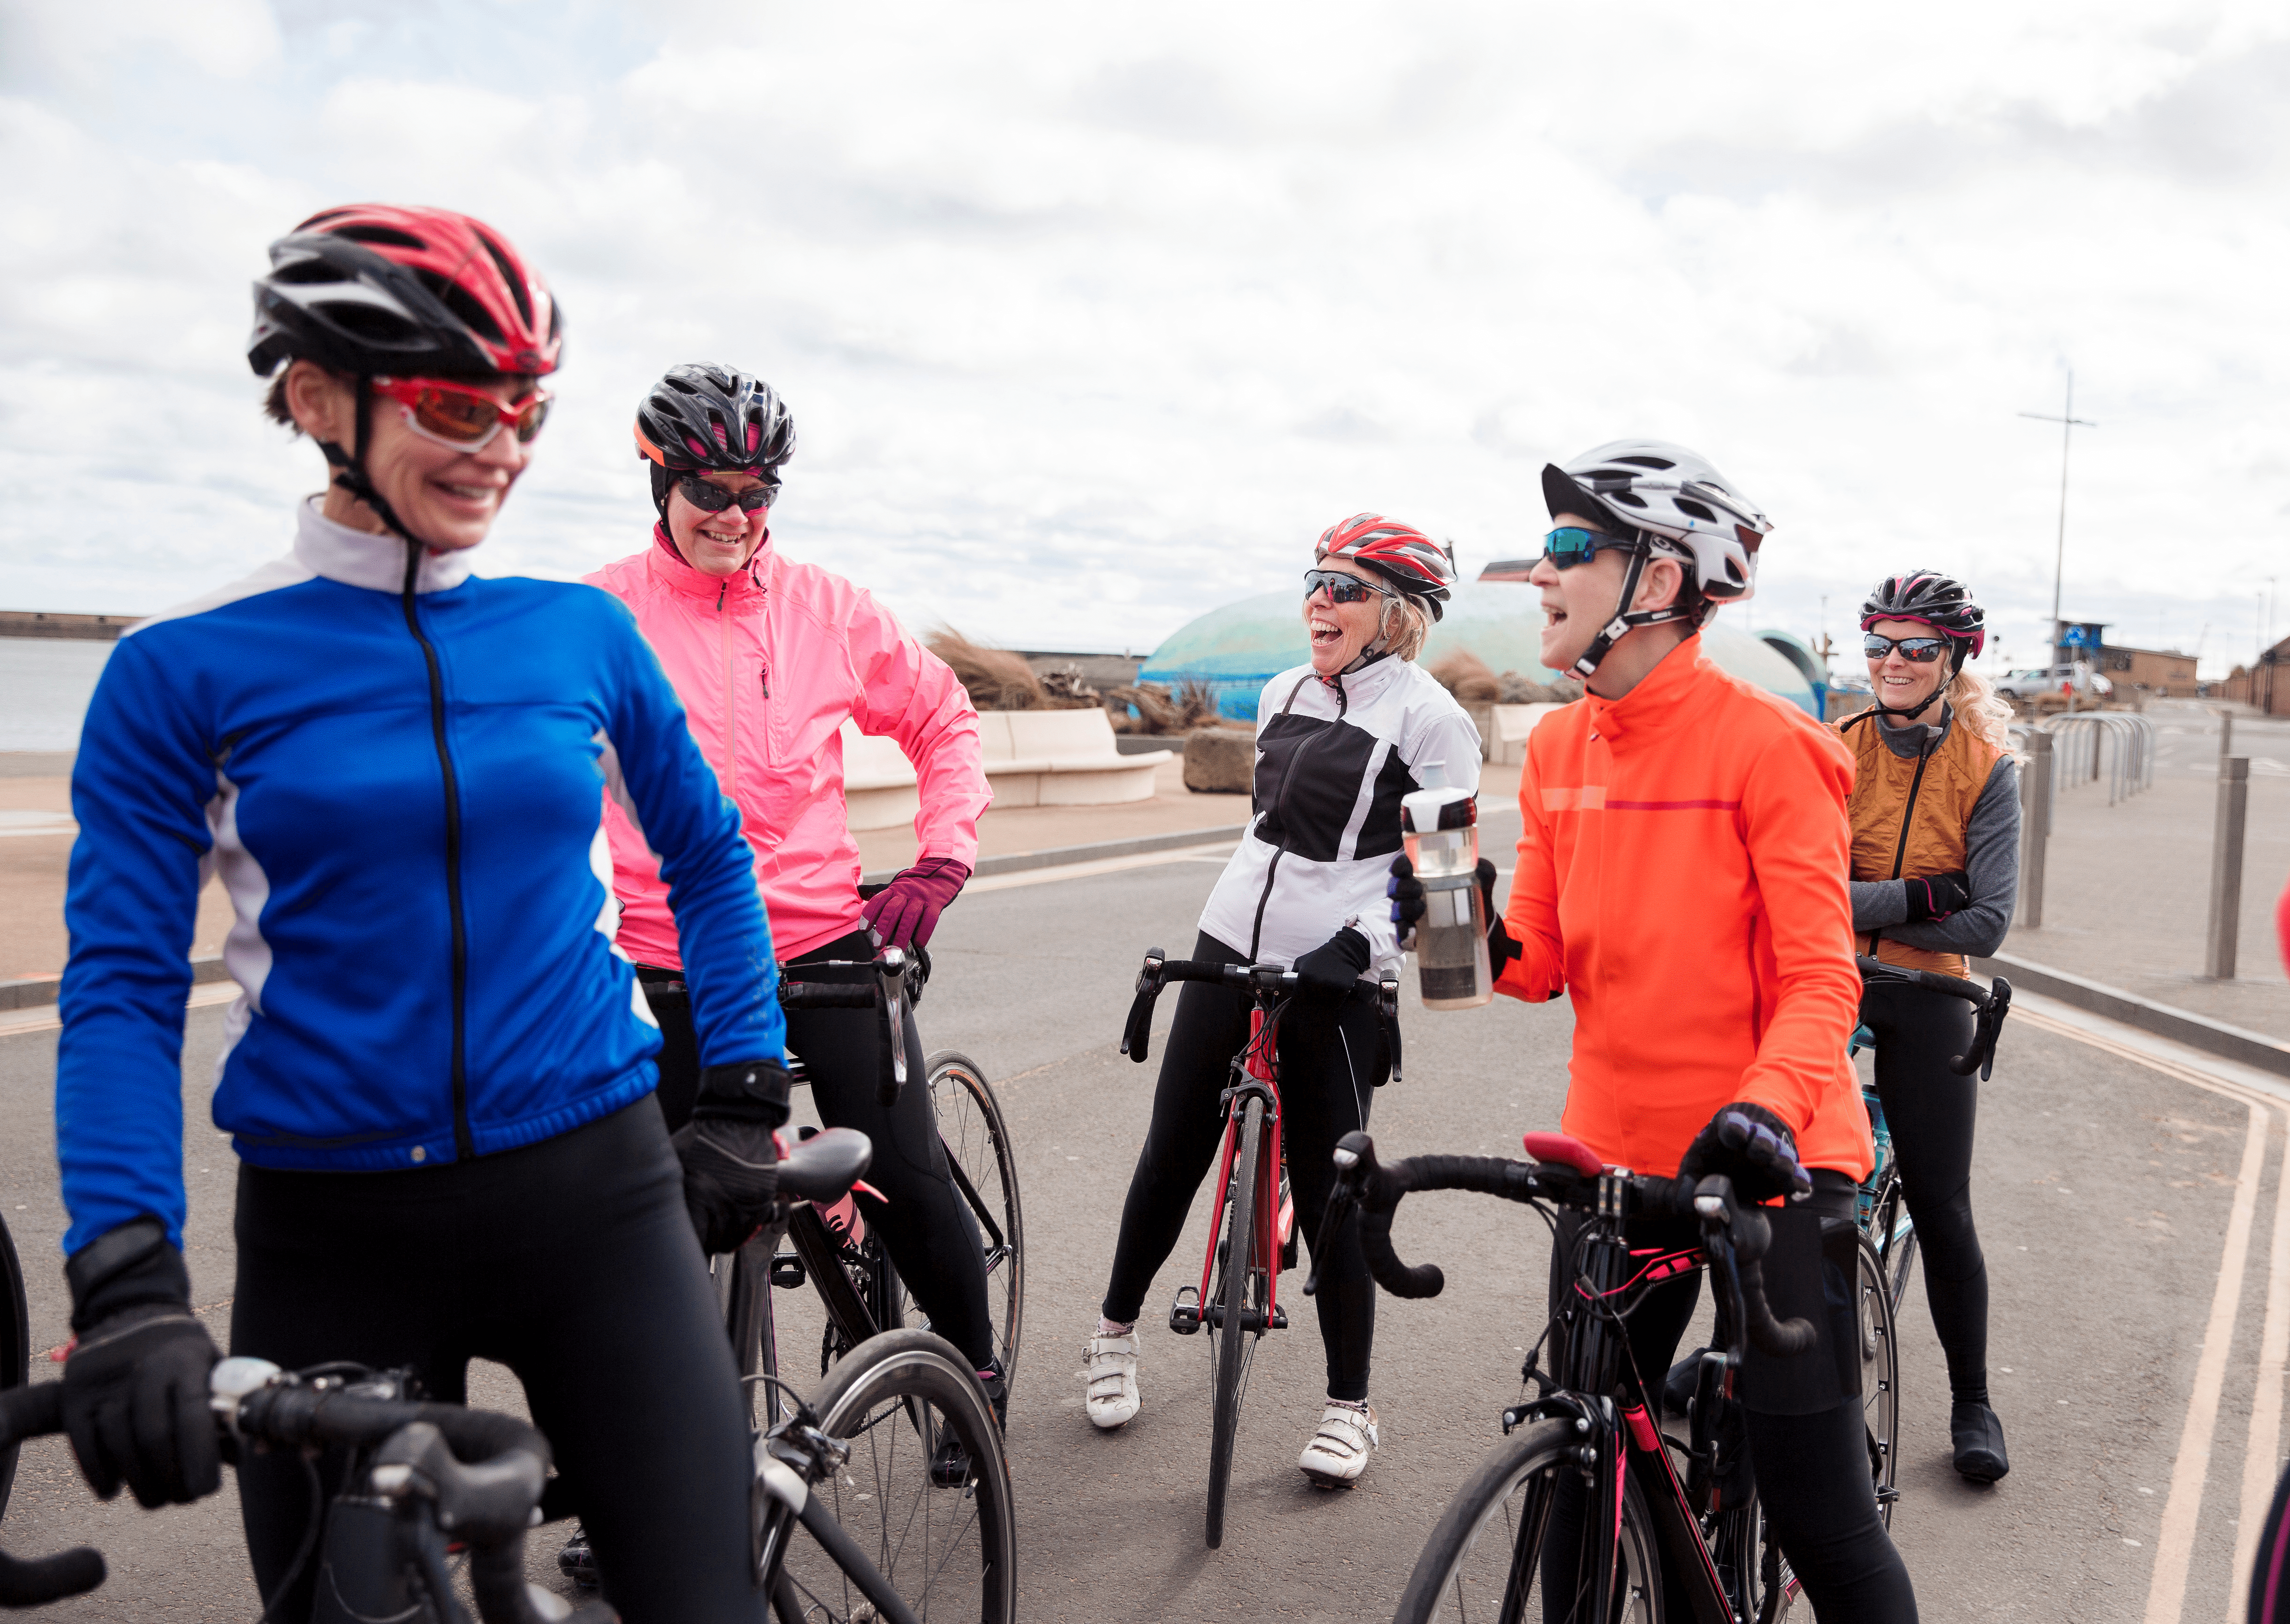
<point>1207,849</point>
<point>2259,1093</point>
<point>44,1018</point>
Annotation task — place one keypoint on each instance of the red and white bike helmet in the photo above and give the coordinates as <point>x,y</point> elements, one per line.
<point>1400,552</point>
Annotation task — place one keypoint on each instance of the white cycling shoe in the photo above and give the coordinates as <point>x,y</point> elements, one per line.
<point>1109,1367</point>
<point>1337,1452</point>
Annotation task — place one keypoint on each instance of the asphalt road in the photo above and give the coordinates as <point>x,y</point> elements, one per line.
<point>2108,1193</point>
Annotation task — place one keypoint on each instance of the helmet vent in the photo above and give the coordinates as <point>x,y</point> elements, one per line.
<point>1628,498</point>
<point>509,274</point>
<point>388,236</point>
<point>679,386</point>
<point>463,303</point>
<point>369,324</point>
<point>1686,504</point>
<point>1647,462</point>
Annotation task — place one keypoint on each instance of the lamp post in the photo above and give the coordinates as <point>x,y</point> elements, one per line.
<point>2068,423</point>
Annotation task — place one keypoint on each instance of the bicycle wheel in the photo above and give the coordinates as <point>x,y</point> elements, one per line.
<point>980,1154</point>
<point>1490,1554</point>
<point>15,1347</point>
<point>1880,1377</point>
<point>949,1553</point>
<point>1894,1235</point>
<point>1239,1293</point>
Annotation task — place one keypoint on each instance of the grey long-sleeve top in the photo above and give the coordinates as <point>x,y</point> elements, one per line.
<point>1992,860</point>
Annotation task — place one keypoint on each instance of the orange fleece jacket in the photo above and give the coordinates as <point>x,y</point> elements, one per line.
<point>1681,879</point>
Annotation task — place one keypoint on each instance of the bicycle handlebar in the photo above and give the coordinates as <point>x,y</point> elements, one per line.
<point>1158,971</point>
<point>1990,1007</point>
<point>897,985</point>
<point>481,1473</point>
<point>1736,1237</point>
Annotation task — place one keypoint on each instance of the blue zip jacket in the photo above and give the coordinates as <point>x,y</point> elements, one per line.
<point>401,791</point>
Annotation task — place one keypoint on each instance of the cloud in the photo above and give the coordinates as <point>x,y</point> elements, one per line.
<point>1093,319</point>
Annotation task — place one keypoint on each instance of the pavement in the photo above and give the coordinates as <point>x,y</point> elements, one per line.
<point>2129,1193</point>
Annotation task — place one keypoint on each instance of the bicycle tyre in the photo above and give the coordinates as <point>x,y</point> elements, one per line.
<point>883,1494</point>
<point>1880,1376</point>
<point>984,1159</point>
<point>1464,1574</point>
<point>15,1347</point>
<point>1233,1275</point>
<point>1893,1233</point>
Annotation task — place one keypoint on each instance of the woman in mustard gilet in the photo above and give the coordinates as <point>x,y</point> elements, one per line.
<point>1935,812</point>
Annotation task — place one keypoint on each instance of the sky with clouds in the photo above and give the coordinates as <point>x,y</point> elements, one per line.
<point>1093,317</point>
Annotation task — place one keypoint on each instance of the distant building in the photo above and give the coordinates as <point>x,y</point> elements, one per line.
<point>2165,672</point>
<point>2262,685</point>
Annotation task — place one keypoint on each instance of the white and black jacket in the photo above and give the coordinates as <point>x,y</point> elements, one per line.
<point>1333,758</point>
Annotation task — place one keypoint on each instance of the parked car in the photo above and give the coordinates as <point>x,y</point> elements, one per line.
<point>2080,675</point>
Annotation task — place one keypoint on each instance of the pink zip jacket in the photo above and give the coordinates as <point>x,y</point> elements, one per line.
<point>769,663</point>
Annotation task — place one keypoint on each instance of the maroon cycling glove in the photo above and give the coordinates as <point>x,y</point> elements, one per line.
<point>905,912</point>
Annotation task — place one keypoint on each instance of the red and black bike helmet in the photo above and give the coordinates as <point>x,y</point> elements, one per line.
<point>375,291</point>
<point>1400,552</point>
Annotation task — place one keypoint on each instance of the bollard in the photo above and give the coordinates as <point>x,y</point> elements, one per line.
<point>2226,734</point>
<point>2226,868</point>
<point>2035,827</point>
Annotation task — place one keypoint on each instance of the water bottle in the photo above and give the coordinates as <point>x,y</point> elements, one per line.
<point>1440,824</point>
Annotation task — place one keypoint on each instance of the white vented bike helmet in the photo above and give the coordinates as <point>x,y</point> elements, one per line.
<point>1679,502</point>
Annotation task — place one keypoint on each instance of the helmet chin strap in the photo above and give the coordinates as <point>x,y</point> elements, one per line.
<point>1626,619</point>
<point>350,475</point>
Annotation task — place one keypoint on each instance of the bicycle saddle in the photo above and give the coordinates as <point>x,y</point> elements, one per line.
<point>1566,1151</point>
<point>824,1167</point>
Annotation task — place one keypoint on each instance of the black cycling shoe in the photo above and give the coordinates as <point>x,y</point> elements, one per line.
<point>575,1561</point>
<point>1979,1439</point>
<point>950,1466</point>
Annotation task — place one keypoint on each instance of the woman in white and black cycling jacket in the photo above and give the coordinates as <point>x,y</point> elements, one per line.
<point>1935,811</point>
<point>1339,742</point>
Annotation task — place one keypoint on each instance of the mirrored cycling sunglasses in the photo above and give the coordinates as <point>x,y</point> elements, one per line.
<point>714,498</point>
<point>1919,650</point>
<point>455,414</point>
<point>1570,545</point>
<point>1342,588</point>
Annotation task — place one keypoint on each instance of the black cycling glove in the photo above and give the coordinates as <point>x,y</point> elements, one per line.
<point>1332,969</point>
<point>135,1384</point>
<point>730,1160</point>
<point>1936,896</point>
<point>1753,1147</point>
<point>1406,894</point>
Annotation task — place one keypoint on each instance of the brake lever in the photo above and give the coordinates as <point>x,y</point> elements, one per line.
<point>1341,1200</point>
<point>1987,1027</point>
<point>891,972</point>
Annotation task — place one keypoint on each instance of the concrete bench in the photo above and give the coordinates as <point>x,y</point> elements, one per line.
<point>1061,758</point>
<point>1032,758</point>
<point>1507,740</point>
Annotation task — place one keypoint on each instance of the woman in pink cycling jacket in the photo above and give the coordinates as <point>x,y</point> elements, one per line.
<point>770,656</point>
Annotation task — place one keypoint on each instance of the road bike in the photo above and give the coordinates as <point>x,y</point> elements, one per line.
<point>1253,1237</point>
<point>834,1250</point>
<point>15,1347</point>
<point>425,1480</point>
<point>1521,1539</point>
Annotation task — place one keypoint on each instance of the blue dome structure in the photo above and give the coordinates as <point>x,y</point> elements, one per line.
<point>1236,650</point>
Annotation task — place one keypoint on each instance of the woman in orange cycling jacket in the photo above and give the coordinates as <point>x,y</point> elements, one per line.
<point>1936,865</point>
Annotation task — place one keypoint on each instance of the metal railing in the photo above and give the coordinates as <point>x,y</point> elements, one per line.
<point>2114,745</point>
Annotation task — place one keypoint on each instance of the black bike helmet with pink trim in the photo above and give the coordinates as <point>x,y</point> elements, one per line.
<point>713,419</point>
<point>1400,552</point>
<point>1938,601</point>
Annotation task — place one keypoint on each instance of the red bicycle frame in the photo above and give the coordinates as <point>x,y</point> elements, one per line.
<point>1276,1208</point>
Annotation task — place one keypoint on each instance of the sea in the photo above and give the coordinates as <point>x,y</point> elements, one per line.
<point>45,684</point>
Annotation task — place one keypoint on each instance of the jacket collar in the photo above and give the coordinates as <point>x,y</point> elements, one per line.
<point>1361,686</point>
<point>1909,742</point>
<point>667,567</point>
<point>377,563</point>
<point>1662,702</point>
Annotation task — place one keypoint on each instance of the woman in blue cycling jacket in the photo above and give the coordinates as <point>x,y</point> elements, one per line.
<point>436,1073</point>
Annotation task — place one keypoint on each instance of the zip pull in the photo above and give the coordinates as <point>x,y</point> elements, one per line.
<point>766,673</point>
<point>720,591</point>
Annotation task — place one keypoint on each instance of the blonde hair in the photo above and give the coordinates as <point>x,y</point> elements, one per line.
<point>1406,639</point>
<point>1984,716</point>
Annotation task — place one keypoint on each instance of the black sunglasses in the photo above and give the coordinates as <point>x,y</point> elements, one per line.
<point>1342,588</point>
<point>714,498</point>
<point>1918,650</point>
<point>1571,544</point>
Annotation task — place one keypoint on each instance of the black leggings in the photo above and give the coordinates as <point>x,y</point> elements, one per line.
<point>1931,1112</point>
<point>572,1261</point>
<point>1810,1463</point>
<point>1332,1061</point>
<point>926,1225</point>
